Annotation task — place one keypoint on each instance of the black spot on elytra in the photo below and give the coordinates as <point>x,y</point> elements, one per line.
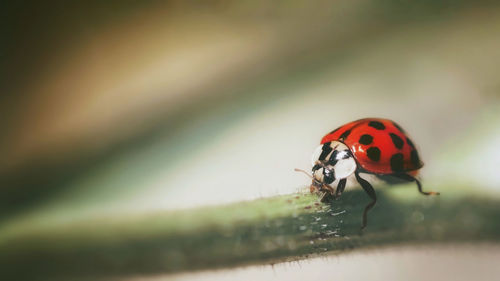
<point>397,163</point>
<point>397,141</point>
<point>345,134</point>
<point>365,139</point>
<point>415,160</point>
<point>325,151</point>
<point>373,153</point>
<point>377,125</point>
<point>398,127</point>
<point>408,141</point>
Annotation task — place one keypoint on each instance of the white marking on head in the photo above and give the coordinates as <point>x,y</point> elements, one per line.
<point>318,174</point>
<point>315,156</point>
<point>345,167</point>
<point>338,163</point>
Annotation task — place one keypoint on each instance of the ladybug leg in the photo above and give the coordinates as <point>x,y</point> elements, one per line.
<point>419,185</point>
<point>371,192</point>
<point>327,188</point>
<point>340,188</point>
<point>326,197</point>
<point>327,193</point>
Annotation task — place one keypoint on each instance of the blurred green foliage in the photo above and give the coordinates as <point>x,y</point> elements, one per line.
<point>267,230</point>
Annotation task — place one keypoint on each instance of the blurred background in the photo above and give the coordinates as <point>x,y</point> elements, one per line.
<point>123,107</point>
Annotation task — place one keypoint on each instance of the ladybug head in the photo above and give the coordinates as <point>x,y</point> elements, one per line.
<point>331,161</point>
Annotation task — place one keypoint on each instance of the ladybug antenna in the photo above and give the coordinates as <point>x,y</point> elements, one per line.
<point>300,170</point>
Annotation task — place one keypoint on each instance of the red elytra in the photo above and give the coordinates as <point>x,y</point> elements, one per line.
<point>379,146</point>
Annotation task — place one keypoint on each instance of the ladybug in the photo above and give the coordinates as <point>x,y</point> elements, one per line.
<point>375,146</point>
